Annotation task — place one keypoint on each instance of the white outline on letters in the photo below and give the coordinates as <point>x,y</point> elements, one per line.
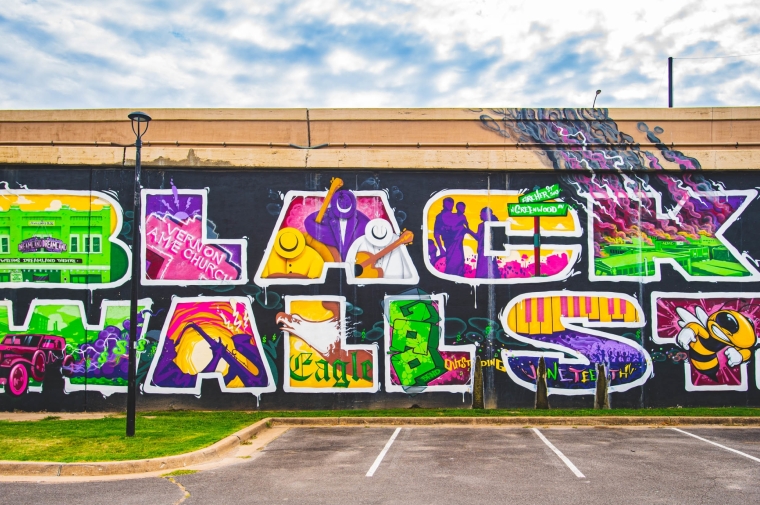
<point>440,298</point>
<point>113,238</point>
<point>68,387</point>
<point>583,327</point>
<point>753,276</point>
<point>576,249</point>
<point>373,349</point>
<point>206,241</point>
<point>346,265</point>
<point>657,339</point>
<point>149,387</point>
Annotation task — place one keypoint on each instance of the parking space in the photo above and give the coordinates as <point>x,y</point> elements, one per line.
<point>491,465</point>
<point>468,462</point>
<point>304,465</point>
<point>659,465</point>
<point>746,440</point>
<point>422,465</point>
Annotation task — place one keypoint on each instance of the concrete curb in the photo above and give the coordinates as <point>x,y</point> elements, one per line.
<point>516,421</point>
<point>168,463</point>
<point>226,445</point>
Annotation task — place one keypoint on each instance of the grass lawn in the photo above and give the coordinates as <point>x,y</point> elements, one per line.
<point>156,434</point>
<point>176,432</point>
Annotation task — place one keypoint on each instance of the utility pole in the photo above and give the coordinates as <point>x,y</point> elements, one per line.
<point>670,82</point>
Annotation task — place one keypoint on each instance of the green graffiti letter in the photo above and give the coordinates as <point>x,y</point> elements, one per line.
<point>414,342</point>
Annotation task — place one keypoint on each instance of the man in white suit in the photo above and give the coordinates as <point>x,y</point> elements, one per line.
<point>378,235</point>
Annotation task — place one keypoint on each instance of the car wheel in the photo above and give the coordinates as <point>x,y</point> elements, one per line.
<point>38,366</point>
<point>18,379</point>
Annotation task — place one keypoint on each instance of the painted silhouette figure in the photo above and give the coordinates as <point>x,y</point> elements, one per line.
<point>449,232</point>
<point>486,267</point>
<point>343,225</point>
<point>461,228</point>
<point>438,227</point>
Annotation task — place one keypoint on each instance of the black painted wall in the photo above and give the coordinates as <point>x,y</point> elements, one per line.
<point>238,203</point>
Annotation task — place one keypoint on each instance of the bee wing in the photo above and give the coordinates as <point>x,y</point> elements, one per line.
<point>702,316</point>
<point>687,317</point>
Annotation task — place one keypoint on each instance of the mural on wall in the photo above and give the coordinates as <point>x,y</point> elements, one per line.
<point>565,321</point>
<point>316,354</point>
<point>585,140</point>
<point>209,338</point>
<point>61,239</point>
<point>717,331</point>
<point>633,233</point>
<point>417,358</point>
<point>459,251</point>
<point>180,245</point>
<point>56,339</point>
<point>353,230</point>
<point>626,200</point>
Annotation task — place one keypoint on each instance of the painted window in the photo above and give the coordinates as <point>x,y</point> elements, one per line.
<point>74,243</point>
<point>5,244</point>
<point>92,244</point>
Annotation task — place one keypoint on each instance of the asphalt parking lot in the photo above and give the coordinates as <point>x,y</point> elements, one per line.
<point>425,465</point>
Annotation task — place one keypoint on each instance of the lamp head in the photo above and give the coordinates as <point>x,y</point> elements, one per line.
<point>139,116</point>
<point>597,94</point>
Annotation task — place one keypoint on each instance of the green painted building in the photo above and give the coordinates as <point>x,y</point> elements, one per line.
<point>706,256</point>
<point>55,246</point>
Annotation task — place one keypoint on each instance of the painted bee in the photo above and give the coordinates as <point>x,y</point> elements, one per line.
<point>703,336</point>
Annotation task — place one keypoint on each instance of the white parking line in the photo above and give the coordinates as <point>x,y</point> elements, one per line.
<point>717,444</point>
<point>380,456</point>
<point>561,456</point>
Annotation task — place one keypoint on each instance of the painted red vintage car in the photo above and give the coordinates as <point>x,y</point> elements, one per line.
<point>24,356</point>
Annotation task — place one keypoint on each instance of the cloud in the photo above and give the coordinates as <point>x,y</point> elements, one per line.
<point>357,53</point>
<point>55,205</point>
<point>22,200</point>
<point>341,61</point>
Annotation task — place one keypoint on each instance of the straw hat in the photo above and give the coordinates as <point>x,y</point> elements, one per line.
<point>289,243</point>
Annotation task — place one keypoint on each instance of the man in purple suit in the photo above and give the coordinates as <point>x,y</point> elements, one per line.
<point>342,225</point>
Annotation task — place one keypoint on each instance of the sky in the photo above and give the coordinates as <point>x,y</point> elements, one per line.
<point>367,53</point>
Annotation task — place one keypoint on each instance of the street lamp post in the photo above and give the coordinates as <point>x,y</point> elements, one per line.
<point>139,119</point>
<point>597,94</point>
